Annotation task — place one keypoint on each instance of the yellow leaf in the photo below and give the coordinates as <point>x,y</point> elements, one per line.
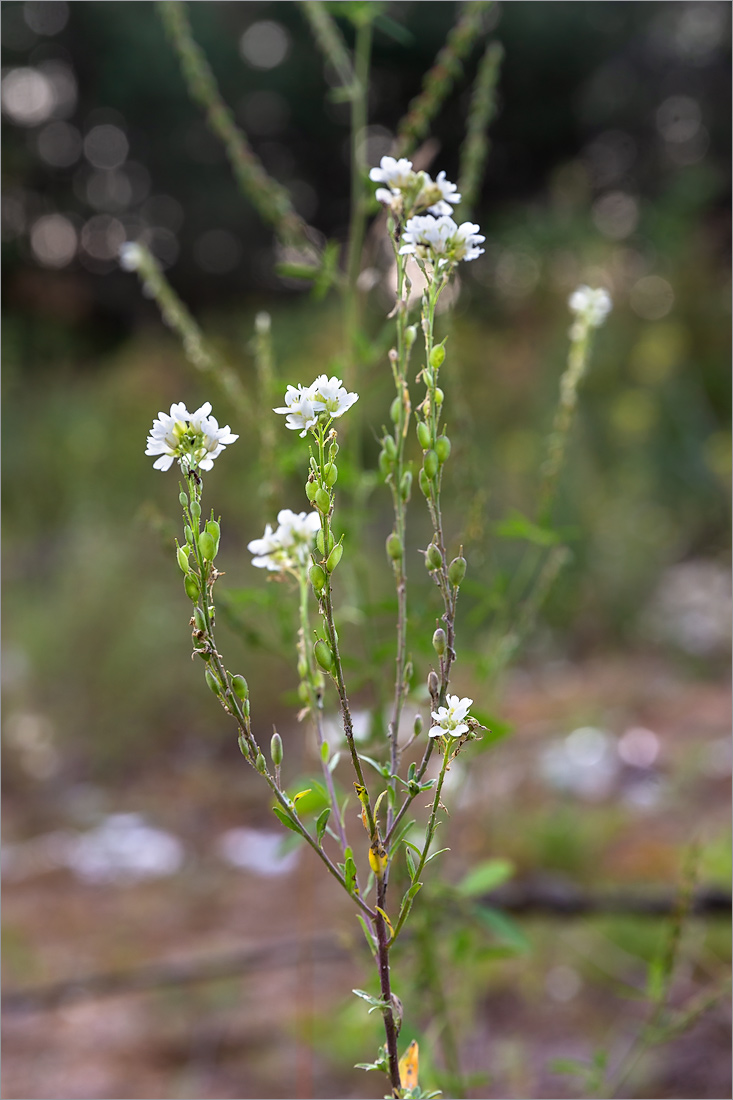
<point>301,794</point>
<point>408,1066</point>
<point>387,921</point>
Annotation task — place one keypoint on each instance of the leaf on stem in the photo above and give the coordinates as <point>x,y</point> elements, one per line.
<point>286,820</point>
<point>369,938</point>
<point>322,822</point>
<point>485,877</point>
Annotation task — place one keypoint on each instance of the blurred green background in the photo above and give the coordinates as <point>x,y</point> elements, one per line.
<point>609,164</point>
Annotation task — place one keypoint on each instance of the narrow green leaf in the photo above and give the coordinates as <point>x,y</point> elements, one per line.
<point>322,822</point>
<point>287,821</point>
<point>410,862</point>
<point>485,877</point>
<point>368,935</point>
<point>438,853</point>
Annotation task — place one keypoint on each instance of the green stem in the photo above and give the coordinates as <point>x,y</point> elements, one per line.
<point>357,225</point>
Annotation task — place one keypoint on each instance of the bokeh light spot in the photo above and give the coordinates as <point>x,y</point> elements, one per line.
<point>59,144</point>
<point>616,215</point>
<point>53,240</point>
<point>651,297</point>
<point>265,44</point>
<point>106,146</point>
<point>46,17</point>
<point>27,96</point>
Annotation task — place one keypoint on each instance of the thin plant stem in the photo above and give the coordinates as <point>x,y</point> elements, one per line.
<point>330,42</point>
<point>476,145</point>
<point>358,217</point>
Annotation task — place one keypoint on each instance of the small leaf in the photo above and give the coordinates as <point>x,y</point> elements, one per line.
<point>322,822</point>
<point>301,794</point>
<point>387,921</point>
<point>324,752</point>
<point>287,821</point>
<point>517,526</point>
<point>438,853</point>
<point>381,768</point>
<point>369,937</point>
<point>410,862</point>
<point>502,926</point>
<point>333,762</point>
<point>485,877</point>
<point>570,1066</point>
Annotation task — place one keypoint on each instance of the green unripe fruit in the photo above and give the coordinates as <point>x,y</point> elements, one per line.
<point>323,654</point>
<point>417,730</point>
<point>183,499</point>
<point>276,749</point>
<point>433,557</point>
<point>385,464</point>
<point>189,535</point>
<point>406,485</point>
<point>394,546</point>
<point>439,641</point>
<point>311,488</point>
<point>302,668</point>
<point>330,474</point>
<point>423,435</point>
<point>261,764</point>
<point>214,530</point>
<point>243,746</point>
<point>241,687</point>
<point>191,584</point>
<point>457,571</point>
<point>389,445</point>
<point>334,557</point>
<point>439,396</point>
<point>437,357</point>
<point>430,464</point>
<point>442,448</point>
<point>195,509</point>
<point>322,545</point>
<point>424,483</point>
<point>198,618</point>
<point>303,692</point>
<point>395,410</point>
<point>410,335</point>
<point>213,681</point>
<point>182,556</point>
<point>207,546</point>
<point>323,501</point>
<point>333,450</point>
<point>318,577</point>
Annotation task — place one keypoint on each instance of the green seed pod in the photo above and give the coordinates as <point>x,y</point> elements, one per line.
<point>276,749</point>
<point>182,556</point>
<point>213,681</point>
<point>207,546</point>
<point>417,730</point>
<point>333,450</point>
<point>423,434</point>
<point>394,546</point>
<point>303,692</point>
<point>334,557</point>
<point>389,445</point>
<point>439,641</point>
<point>318,577</point>
<point>385,464</point>
<point>437,357</point>
<point>395,410</point>
<point>439,396</point>
<point>424,483</point>
<point>433,557</point>
<point>330,474</point>
<point>241,687</point>
<point>442,448</point>
<point>311,488</point>
<point>410,335</point>
<point>189,535</point>
<point>195,509</point>
<point>214,530</point>
<point>323,654</point>
<point>323,501</point>
<point>183,499</point>
<point>457,571</point>
<point>430,464</point>
<point>302,668</point>
<point>243,746</point>
<point>321,544</point>
<point>406,485</point>
<point>198,618</point>
<point>191,584</point>
<point>261,764</point>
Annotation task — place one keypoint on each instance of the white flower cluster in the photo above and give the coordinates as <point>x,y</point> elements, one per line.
<point>195,439</point>
<point>407,191</point>
<point>440,241</point>
<point>450,721</point>
<point>305,404</point>
<point>590,306</point>
<point>290,545</point>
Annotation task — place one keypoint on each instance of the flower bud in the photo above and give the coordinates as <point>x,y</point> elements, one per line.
<point>207,546</point>
<point>395,410</point>
<point>385,463</point>
<point>433,557</point>
<point>311,488</point>
<point>303,692</point>
<point>182,556</point>
<point>439,641</point>
<point>424,482</point>
<point>302,668</point>
<point>417,725</point>
<point>334,557</point>
<point>261,764</point>
<point>241,687</point>
<point>437,357</point>
<point>183,499</point>
<point>323,500</point>
<point>442,448</point>
<point>457,571</point>
<point>394,546</point>
<point>323,654</point>
<point>392,355</point>
<point>191,584</point>
<point>333,450</point>
<point>189,535</point>
<point>318,577</point>
<point>322,545</point>
<point>195,509</point>
<point>213,681</point>
<point>330,474</point>
<point>198,618</point>
<point>389,445</point>
<point>423,434</point>
<point>243,746</point>
<point>433,684</point>
<point>430,464</point>
<point>410,335</point>
<point>406,485</point>
<point>276,749</point>
<point>439,396</point>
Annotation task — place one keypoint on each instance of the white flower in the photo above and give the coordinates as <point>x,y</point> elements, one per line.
<point>439,193</point>
<point>332,395</point>
<point>397,174</point>
<point>195,439</point>
<point>301,408</point>
<point>304,405</point>
<point>290,545</point>
<point>131,255</point>
<point>591,306</point>
<point>440,241</point>
<point>450,720</point>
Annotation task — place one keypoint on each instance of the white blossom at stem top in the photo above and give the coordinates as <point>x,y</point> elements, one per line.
<point>324,400</point>
<point>440,242</point>
<point>289,547</point>
<point>333,395</point>
<point>408,192</point>
<point>193,439</point>
<point>449,721</point>
<point>590,306</point>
